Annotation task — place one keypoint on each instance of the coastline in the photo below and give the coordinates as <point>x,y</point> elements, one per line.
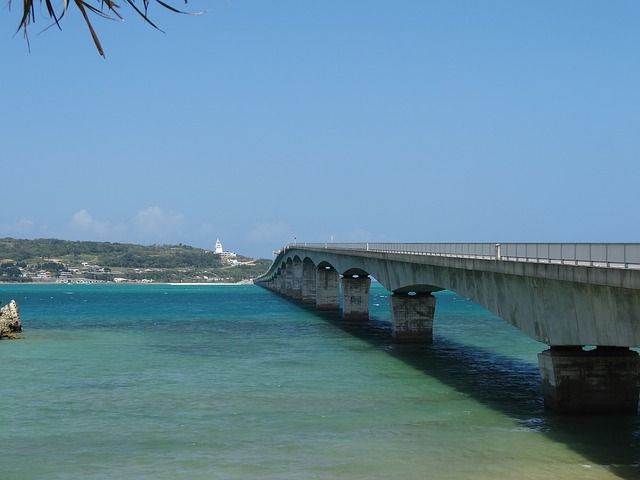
<point>199,284</point>
<point>184,284</point>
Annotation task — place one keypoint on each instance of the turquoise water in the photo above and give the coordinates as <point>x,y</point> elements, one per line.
<point>166,382</point>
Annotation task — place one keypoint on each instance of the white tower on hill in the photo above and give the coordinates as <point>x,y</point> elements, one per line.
<point>226,257</point>
<point>218,248</point>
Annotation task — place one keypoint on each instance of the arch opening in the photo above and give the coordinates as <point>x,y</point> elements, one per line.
<point>420,289</point>
<point>355,273</point>
<point>325,266</point>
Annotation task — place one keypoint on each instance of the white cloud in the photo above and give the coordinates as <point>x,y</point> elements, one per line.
<point>152,225</point>
<point>82,219</point>
<point>157,224</point>
<point>21,228</point>
<point>23,225</point>
<point>84,222</point>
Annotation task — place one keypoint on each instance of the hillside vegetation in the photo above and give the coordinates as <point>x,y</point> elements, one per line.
<point>26,260</point>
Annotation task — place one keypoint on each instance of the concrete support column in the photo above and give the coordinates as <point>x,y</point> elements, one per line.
<point>308,283</point>
<point>355,292</point>
<point>279,283</point>
<point>327,289</point>
<point>604,380</point>
<point>288,282</point>
<point>296,281</point>
<point>412,317</point>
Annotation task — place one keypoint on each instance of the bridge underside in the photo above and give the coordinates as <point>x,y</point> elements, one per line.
<point>567,315</point>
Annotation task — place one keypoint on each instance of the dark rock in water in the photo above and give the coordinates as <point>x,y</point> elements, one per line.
<point>10,320</point>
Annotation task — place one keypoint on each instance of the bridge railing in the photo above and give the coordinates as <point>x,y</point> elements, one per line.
<point>611,255</point>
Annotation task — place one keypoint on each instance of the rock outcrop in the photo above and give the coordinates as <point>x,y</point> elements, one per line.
<point>10,320</point>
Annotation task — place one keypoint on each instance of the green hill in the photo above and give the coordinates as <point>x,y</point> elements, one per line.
<point>28,260</point>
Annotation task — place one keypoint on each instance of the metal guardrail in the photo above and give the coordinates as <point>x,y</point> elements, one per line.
<point>607,255</point>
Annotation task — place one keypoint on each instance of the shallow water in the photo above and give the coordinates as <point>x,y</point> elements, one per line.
<point>235,382</point>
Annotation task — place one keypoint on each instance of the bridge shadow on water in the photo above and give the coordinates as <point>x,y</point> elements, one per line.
<point>608,440</point>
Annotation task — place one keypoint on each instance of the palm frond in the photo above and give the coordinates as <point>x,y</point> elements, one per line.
<point>101,8</point>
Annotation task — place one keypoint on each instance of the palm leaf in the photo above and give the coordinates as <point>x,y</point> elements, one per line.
<point>101,8</point>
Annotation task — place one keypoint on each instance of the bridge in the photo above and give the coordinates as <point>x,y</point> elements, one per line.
<point>582,300</point>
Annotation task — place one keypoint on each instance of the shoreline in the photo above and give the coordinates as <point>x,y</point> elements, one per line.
<point>214,284</point>
<point>173,284</point>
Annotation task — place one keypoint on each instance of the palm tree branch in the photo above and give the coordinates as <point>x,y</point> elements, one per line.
<point>103,8</point>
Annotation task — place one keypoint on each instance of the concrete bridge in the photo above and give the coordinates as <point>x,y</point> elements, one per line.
<point>582,300</point>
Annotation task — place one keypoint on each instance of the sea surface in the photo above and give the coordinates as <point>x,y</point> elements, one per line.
<point>235,382</point>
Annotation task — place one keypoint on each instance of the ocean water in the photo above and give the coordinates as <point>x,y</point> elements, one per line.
<point>215,382</point>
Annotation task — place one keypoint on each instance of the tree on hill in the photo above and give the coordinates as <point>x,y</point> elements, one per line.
<point>101,8</point>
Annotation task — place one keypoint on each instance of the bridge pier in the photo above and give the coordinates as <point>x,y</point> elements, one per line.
<point>288,280</point>
<point>296,280</point>
<point>412,317</point>
<point>327,289</point>
<point>308,283</point>
<point>604,380</point>
<point>355,292</point>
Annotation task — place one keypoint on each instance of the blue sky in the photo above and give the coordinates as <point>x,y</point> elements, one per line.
<point>362,120</point>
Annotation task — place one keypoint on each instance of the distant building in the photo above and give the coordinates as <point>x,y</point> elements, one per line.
<point>227,257</point>
<point>218,250</point>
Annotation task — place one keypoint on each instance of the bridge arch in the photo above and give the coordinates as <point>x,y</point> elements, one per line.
<point>355,272</point>
<point>325,265</point>
<point>423,288</point>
